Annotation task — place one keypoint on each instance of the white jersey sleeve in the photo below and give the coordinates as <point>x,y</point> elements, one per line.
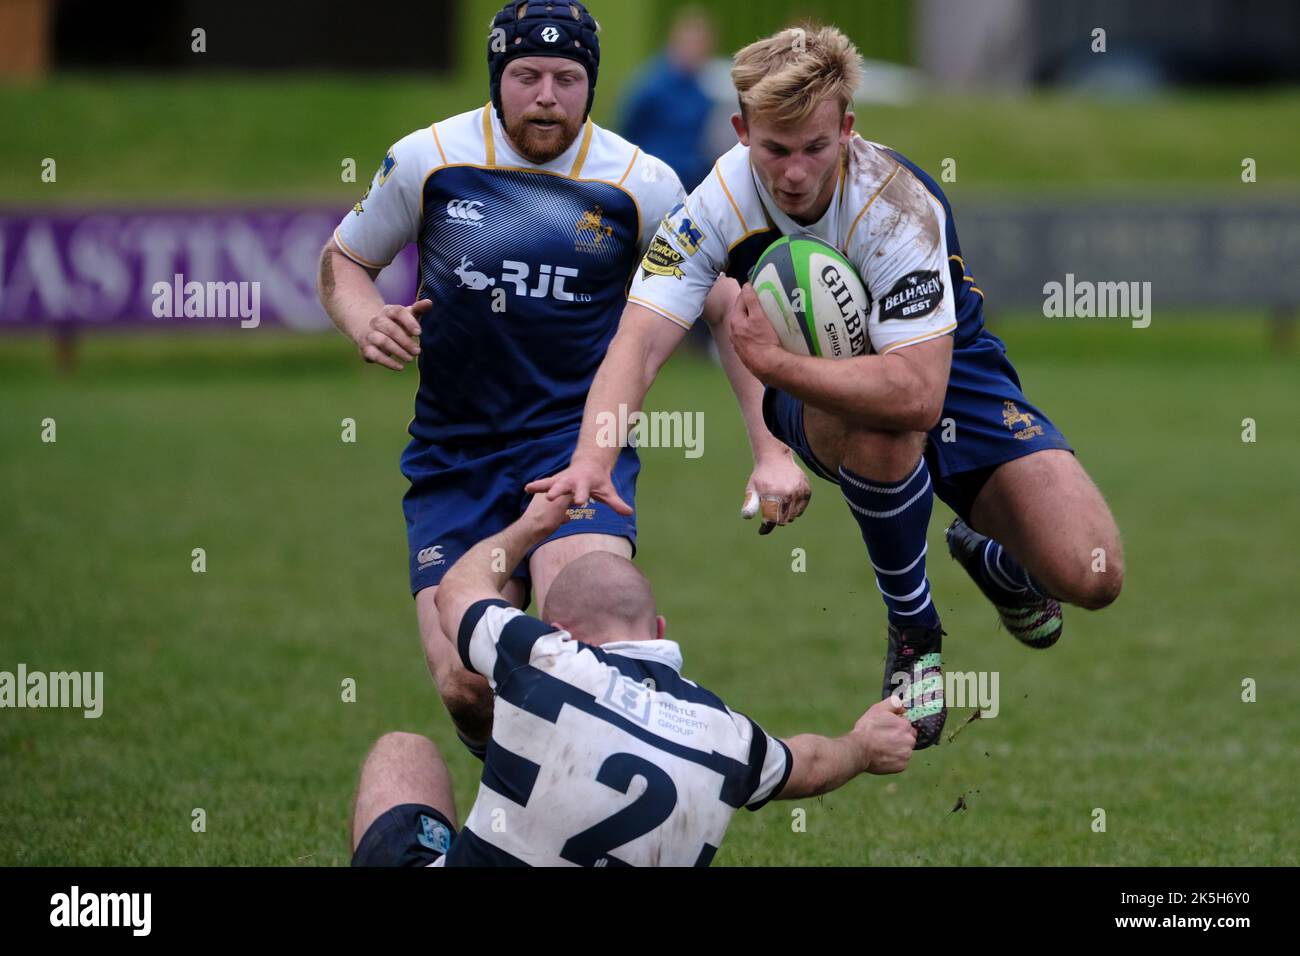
<point>899,247</point>
<point>656,189</point>
<point>496,639</point>
<point>770,761</point>
<point>686,254</point>
<point>387,218</point>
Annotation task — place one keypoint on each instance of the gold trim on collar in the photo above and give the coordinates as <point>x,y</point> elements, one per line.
<point>582,151</point>
<point>490,151</point>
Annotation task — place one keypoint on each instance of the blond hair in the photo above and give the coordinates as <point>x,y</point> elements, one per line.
<point>786,76</point>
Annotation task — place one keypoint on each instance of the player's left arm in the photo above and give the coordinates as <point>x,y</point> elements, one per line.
<point>902,390</point>
<point>483,570</point>
<point>900,250</point>
<point>776,484</point>
<point>809,765</point>
<point>881,742</point>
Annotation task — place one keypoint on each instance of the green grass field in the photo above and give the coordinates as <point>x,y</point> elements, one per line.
<point>222,689</point>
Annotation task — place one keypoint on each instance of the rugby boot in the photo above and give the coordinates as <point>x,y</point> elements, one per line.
<point>914,672</point>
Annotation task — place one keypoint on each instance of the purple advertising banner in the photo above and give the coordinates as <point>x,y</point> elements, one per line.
<point>167,268</point>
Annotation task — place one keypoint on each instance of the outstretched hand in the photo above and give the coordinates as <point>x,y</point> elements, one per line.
<point>581,482</point>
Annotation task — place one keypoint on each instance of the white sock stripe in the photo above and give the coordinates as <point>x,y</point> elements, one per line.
<point>917,611</point>
<point>879,570</point>
<point>997,574</point>
<point>899,510</point>
<point>925,583</point>
<point>878,488</point>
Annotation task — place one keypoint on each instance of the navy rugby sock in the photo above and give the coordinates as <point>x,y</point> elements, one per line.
<point>894,518</point>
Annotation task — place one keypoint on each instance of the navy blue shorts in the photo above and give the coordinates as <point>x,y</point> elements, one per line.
<point>410,834</point>
<point>459,496</point>
<point>986,422</point>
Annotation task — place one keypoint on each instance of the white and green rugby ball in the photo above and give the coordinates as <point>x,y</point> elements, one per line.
<point>813,297</point>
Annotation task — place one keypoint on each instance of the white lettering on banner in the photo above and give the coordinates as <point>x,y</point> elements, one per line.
<point>101,268</point>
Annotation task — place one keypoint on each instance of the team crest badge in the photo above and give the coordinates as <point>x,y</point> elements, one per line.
<point>1013,416</point>
<point>592,230</point>
<point>434,834</point>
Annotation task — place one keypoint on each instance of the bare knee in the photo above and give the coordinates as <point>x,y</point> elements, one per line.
<point>466,695</point>
<point>1105,576</point>
<point>1092,585</point>
<point>1102,588</point>
<point>404,748</point>
<point>883,455</point>
<point>400,768</point>
<point>886,456</point>
<point>468,699</point>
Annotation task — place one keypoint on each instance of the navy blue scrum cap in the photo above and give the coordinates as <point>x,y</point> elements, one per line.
<point>543,28</point>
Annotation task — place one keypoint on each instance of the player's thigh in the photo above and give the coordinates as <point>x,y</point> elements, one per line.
<point>401,769</point>
<point>873,453</point>
<point>550,558</point>
<point>1045,509</point>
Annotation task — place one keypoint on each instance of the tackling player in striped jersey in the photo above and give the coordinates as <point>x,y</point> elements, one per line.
<point>602,753</point>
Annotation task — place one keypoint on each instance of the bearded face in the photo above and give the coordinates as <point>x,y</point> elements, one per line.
<point>543,99</point>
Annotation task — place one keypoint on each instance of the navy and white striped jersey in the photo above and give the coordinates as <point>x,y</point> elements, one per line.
<point>527,266</point>
<point>603,756</point>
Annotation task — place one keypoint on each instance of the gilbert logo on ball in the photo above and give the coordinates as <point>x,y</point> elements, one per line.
<point>813,297</point>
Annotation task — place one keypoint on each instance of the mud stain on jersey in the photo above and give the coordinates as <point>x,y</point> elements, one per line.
<point>904,200</point>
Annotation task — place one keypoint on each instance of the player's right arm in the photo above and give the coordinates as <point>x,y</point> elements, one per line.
<point>387,335</point>
<point>377,228</point>
<point>475,581</point>
<point>880,742</point>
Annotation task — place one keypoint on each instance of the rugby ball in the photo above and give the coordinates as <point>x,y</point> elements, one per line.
<point>813,297</point>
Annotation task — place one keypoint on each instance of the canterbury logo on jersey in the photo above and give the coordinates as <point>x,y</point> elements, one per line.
<point>550,280</point>
<point>428,556</point>
<point>465,211</point>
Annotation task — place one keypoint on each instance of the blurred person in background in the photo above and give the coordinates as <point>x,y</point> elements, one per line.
<point>667,108</point>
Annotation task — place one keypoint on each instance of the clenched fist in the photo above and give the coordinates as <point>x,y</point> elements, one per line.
<point>392,337</point>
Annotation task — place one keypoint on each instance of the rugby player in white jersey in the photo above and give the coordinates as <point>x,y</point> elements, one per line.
<point>936,408</point>
<point>529,221</point>
<point>602,753</point>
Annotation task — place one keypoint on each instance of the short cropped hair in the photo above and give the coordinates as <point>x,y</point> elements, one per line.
<point>782,79</point>
<point>599,592</point>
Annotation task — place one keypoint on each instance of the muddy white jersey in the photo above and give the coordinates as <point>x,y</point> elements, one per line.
<point>883,217</point>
